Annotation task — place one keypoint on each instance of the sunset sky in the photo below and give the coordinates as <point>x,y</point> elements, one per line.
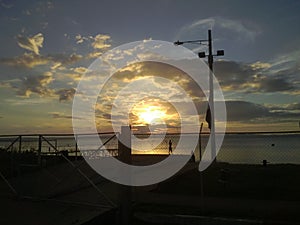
<point>46,47</point>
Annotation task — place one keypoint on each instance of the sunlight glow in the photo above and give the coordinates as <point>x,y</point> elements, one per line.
<point>151,115</point>
<point>156,113</point>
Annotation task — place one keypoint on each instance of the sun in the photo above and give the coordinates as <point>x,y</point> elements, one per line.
<point>156,113</point>
<point>151,115</point>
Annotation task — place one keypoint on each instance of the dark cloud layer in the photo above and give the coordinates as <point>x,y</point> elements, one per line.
<point>245,111</point>
<point>232,74</point>
<point>250,112</point>
<point>254,78</point>
<point>269,84</point>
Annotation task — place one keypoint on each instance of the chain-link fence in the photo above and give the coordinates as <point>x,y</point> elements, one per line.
<point>249,148</point>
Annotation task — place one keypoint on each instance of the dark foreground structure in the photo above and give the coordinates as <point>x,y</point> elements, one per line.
<point>56,187</point>
<point>228,194</point>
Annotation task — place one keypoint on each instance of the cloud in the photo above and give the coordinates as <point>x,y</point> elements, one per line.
<point>31,43</point>
<point>80,70</point>
<point>65,59</point>
<point>73,74</point>
<point>225,28</point>
<point>287,66</point>
<point>267,77</point>
<point>27,12</point>
<point>248,112</point>
<point>7,83</point>
<point>35,85</point>
<point>100,41</point>
<point>233,75</point>
<point>28,101</point>
<point>31,60</point>
<point>41,7</point>
<point>160,82</point>
<point>80,39</point>
<point>66,94</point>
<point>93,55</point>
<point>260,65</point>
<point>57,115</point>
<point>97,44</point>
<point>245,111</point>
<point>6,5</point>
<point>29,85</point>
<point>291,107</point>
<point>277,84</point>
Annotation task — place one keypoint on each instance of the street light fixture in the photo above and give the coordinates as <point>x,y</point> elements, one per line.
<point>201,55</point>
<point>210,110</point>
<point>220,52</point>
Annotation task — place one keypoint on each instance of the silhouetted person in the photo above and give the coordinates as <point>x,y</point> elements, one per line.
<point>170,147</point>
<point>193,159</point>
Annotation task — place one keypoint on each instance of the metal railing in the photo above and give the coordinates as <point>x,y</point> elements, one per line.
<point>23,151</point>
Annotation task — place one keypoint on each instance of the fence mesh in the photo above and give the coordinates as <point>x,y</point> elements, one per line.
<point>250,148</point>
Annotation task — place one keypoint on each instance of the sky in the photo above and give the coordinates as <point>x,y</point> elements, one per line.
<point>48,46</point>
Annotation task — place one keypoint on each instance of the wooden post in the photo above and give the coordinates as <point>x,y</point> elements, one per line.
<point>124,155</point>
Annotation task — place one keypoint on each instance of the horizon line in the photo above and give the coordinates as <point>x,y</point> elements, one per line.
<point>170,133</point>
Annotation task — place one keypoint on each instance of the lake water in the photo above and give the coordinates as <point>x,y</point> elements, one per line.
<point>236,148</point>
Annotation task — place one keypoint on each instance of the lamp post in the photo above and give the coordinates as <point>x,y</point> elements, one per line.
<point>211,108</point>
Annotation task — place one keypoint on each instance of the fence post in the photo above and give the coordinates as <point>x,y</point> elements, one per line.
<point>12,161</point>
<point>39,160</point>
<point>20,143</point>
<point>76,147</point>
<point>124,155</point>
<point>124,145</point>
<point>19,157</point>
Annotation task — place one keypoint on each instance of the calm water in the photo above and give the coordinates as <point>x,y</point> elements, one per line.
<point>253,148</point>
<point>236,148</point>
